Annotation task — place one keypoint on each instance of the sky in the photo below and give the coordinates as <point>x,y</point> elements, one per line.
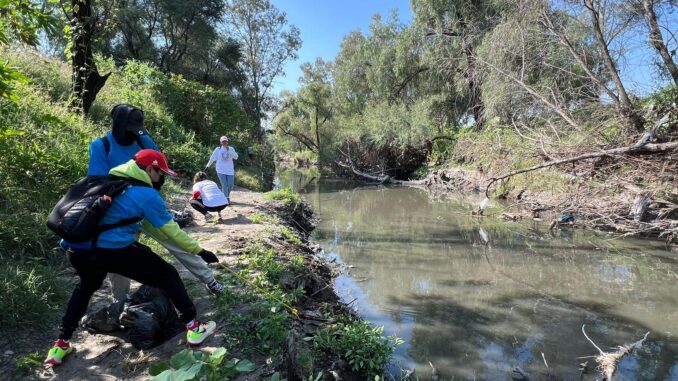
<point>324,23</point>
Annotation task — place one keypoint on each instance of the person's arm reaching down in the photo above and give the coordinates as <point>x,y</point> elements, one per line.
<point>213,158</point>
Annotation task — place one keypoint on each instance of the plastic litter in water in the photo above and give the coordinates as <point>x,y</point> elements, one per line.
<point>485,203</point>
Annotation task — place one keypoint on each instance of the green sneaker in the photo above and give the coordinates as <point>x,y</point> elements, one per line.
<point>56,355</point>
<point>200,333</point>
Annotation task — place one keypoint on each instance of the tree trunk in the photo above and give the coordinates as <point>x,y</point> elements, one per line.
<point>317,135</point>
<point>640,205</point>
<point>86,78</point>
<point>473,80</point>
<point>657,41</point>
<point>625,108</point>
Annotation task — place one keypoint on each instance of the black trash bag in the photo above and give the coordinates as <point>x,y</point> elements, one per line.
<point>150,317</point>
<point>183,218</point>
<point>101,321</point>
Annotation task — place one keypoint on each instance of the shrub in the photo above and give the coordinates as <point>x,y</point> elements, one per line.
<point>364,348</point>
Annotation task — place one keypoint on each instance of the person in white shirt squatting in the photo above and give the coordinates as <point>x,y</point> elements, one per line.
<point>207,197</point>
<point>224,156</point>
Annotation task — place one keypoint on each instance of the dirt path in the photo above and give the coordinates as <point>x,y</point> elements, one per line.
<point>112,357</point>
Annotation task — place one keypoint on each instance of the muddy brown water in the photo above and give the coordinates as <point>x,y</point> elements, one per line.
<point>479,297</point>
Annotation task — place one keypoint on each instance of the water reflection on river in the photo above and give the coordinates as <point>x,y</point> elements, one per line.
<point>478,297</point>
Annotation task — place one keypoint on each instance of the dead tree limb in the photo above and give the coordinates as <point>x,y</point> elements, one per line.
<point>380,179</point>
<point>649,148</point>
<point>607,361</point>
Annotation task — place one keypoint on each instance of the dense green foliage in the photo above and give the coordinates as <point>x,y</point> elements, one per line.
<point>22,21</point>
<point>43,145</point>
<point>462,74</point>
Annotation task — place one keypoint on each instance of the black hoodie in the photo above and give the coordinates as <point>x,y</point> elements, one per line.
<point>127,124</point>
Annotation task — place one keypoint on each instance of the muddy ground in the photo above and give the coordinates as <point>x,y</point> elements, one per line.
<point>112,357</point>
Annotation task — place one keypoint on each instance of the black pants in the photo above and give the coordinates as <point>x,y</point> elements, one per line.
<point>200,207</point>
<point>136,262</point>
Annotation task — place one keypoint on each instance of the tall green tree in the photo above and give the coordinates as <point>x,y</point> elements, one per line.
<point>454,29</point>
<point>268,42</point>
<point>20,22</point>
<point>307,115</point>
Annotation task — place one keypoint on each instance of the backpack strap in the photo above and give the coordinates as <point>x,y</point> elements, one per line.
<point>107,144</point>
<point>125,221</point>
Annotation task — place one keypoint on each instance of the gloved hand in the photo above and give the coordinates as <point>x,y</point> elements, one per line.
<point>208,256</point>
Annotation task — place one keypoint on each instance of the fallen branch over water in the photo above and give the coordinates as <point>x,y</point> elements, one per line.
<point>607,361</point>
<point>642,146</point>
<point>634,149</point>
<point>380,179</point>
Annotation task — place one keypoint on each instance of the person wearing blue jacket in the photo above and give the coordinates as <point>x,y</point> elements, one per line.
<point>127,137</point>
<point>118,251</point>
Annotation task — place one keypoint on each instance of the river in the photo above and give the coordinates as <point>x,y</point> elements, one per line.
<point>478,297</point>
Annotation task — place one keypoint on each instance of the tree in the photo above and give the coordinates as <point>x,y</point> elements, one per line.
<point>20,21</point>
<point>268,42</point>
<point>179,36</point>
<point>456,28</point>
<point>656,39</point>
<point>86,78</point>
<point>306,114</point>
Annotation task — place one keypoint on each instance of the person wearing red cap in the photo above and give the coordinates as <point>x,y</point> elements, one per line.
<point>117,251</point>
<point>127,137</point>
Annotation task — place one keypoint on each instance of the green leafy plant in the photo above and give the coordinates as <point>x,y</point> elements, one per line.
<point>290,236</point>
<point>365,348</point>
<point>190,365</point>
<point>27,362</point>
<point>286,195</point>
<point>297,263</point>
<point>263,218</point>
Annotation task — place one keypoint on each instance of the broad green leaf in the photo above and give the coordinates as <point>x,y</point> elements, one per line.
<point>218,356</point>
<point>182,359</point>
<point>245,366</point>
<point>158,368</point>
<point>184,374</point>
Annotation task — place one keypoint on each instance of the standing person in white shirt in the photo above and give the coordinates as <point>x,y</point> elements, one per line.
<point>207,197</point>
<point>224,156</point>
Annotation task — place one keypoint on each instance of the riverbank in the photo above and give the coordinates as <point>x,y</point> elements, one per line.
<point>615,203</point>
<point>279,310</point>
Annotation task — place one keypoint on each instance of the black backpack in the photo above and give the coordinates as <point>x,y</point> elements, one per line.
<point>77,215</point>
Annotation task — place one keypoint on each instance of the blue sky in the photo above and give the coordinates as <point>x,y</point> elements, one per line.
<point>323,25</point>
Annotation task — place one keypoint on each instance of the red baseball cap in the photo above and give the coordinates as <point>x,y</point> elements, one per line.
<point>154,158</point>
